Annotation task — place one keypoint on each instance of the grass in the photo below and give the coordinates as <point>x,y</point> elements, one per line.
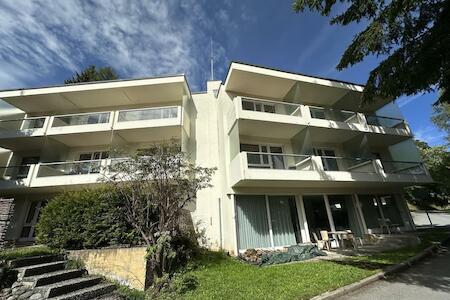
<point>223,277</point>
<point>20,252</point>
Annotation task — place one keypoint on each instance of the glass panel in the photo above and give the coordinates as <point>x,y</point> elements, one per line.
<point>273,107</point>
<point>248,105</point>
<point>277,160</point>
<point>317,113</point>
<point>81,119</point>
<point>344,213</point>
<point>148,114</point>
<point>269,108</point>
<point>390,210</point>
<point>31,212</point>
<point>399,167</point>
<point>25,231</point>
<point>253,227</point>
<point>283,227</point>
<point>385,121</point>
<point>71,168</point>
<point>316,215</point>
<point>370,210</point>
<point>33,123</point>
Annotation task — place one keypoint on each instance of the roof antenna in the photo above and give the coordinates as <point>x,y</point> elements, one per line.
<point>212,61</point>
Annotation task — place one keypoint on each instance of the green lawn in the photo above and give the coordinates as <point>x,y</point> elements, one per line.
<point>222,277</point>
<point>19,252</point>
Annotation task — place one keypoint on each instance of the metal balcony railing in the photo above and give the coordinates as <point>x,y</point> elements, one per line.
<point>69,168</point>
<point>273,107</point>
<point>22,124</point>
<point>384,121</point>
<point>333,114</point>
<point>81,119</point>
<point>148,114</point>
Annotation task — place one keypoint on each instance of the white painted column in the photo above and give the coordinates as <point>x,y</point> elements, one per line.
<point>304,230</point>
<point>329,214</point>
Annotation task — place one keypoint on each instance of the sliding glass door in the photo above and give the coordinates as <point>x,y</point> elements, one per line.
<point>375,208</point>
<point>316,215</point>
<point>344,213</point>
<point>267,221</point>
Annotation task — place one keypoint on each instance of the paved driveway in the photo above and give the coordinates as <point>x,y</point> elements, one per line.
<point>429,280</point>
<point>438,218</point>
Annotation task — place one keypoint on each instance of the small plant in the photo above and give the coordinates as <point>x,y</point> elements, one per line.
<point>128,293</point>
<point>7,276</point>
<point>75,263</point>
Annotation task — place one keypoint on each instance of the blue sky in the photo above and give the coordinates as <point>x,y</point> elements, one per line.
<point>44,42</point>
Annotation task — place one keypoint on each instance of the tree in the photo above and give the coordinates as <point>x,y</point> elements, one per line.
<point>441,118</point>
<point>155,186</point>
<point>412,35</point>
<point>92,73</point>
<point>437,161</point>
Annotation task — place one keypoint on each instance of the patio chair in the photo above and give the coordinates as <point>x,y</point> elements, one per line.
<point>326,239</point>
<point>320,243</point>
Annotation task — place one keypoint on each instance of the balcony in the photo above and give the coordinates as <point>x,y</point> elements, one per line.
<point>294,170</point>
<point>149,124</point>
<point>29,131</point>
<point>254,113</point>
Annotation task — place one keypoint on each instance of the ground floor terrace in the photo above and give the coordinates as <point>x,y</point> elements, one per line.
<point>275,220</point>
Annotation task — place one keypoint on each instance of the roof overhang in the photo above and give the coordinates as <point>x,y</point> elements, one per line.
<point>93,95</point>
<point>244,79</point>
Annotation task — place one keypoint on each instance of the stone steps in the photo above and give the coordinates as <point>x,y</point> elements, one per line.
<point>35,260</point>
<point>46,276</point>
<point>98,290</point>
<point>71,285</point>
<point>54,277</point>
<point>39,269</point>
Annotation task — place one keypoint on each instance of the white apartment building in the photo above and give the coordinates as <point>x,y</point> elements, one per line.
<point>295,154</point>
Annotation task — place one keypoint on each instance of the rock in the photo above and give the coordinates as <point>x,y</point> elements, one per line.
<point>36,297</point>
<point>11,298</point>
<point>16,284</point>
<point>25,295</point>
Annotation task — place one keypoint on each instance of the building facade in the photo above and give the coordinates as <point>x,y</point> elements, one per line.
<point>294,154</point>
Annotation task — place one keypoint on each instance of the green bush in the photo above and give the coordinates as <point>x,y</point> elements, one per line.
<point>13,253</point>
<point>89,218</point>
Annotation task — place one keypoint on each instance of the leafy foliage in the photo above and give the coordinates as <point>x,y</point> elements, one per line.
<point>89,218</point>
<point>413,36</point>
<point>92,73</point>
<point>441,118</point>
<point>13,253</point>
<point>155,186</point>
<point>437,160</point>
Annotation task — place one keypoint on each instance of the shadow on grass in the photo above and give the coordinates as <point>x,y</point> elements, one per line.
<point>366,265</point>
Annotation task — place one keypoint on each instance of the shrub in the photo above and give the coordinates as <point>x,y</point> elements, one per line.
<point>14,253</point>
<point>89,218</point>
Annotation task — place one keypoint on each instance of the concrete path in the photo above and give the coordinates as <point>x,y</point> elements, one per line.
<point>429,280</point>
<point>438,218</point>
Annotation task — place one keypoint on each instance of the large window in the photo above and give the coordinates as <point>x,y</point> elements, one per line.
<point>375,208</point>
<point>267,221</point>
<point>316,215</point>
<point>329,161</point>
<point>267,158</point>
<point>344,213</point>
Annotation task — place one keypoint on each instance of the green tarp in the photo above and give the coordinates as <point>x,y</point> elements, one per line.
<point>293,253</point>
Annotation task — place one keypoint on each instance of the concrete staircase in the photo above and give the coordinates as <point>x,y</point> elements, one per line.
<point>44,277</point>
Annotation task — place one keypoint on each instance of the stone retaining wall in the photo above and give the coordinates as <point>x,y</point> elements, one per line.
<point>125,265</point>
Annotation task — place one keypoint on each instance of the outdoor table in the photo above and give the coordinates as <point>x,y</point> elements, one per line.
<point>338,235</point>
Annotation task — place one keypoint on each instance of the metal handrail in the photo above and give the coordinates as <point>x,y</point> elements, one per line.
<point>23,119</point>
<point>270,101</point>
<point>83,114</point>
<point>383,117</point>
<point>148,108</point>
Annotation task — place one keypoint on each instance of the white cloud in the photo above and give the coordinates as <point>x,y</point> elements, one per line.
<point>145,38</point>
<point>405,100</point>
<point>430,134</point>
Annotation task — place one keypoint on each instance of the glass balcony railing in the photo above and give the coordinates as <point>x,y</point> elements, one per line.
<point>384,121</point>
<point>273,107</point>
<point>347,164</point>
<point>22,124</point>
<point>148,114</point>
<point>281,161</point>
<point>81,119</point>
<point>14,172</point>
<point>333,114</point>
<point>404,167</point>
<point>69,168</point>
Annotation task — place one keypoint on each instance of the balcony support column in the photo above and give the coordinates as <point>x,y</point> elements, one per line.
<point>304,229</point>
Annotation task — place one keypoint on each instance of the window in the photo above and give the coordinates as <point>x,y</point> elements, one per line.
<point>267,158</point>
<point>94,155</point>
<point>258,106</point>
<point>317,113</point>
<point>28,228</point>
<point>267,221</point>
<point>24,166</point>
<point>328,160</point>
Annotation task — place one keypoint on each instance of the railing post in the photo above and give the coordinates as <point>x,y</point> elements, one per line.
<point>378,166</point>
<point>49,124</point>
<point>33,172</point>
<point>305,112</point>
<point>362,120</point>
<point>317,163</point>
<point>238,106</point>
